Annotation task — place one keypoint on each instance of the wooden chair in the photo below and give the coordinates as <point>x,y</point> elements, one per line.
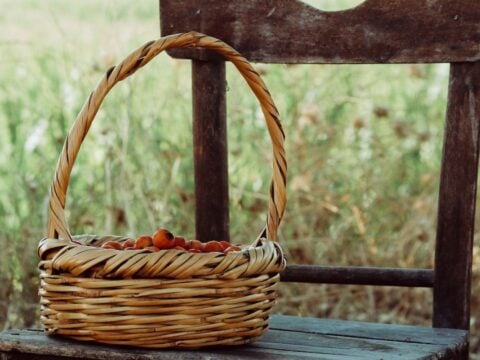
<point>377,31</point>
<point>289,31</point>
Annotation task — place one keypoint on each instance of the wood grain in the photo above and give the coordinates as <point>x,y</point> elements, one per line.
<point>356,347</point>
<point>456,208</point>
<point>360,329</point>
<point>289,338</point>
<point>358,275</point>
<point>210,150</point>
<point>289,31</point>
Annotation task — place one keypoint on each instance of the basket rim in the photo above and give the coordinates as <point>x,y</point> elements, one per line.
<point>92,261</point>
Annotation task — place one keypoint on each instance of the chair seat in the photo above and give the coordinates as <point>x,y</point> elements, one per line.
<point>289,337</point>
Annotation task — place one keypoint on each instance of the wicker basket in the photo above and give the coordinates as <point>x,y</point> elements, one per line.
<point>170,298</point>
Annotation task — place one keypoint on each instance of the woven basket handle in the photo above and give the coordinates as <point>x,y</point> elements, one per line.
<point>57,225</point>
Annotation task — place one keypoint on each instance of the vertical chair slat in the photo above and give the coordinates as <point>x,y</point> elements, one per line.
<point>210,150</point>
<point>456,209</point>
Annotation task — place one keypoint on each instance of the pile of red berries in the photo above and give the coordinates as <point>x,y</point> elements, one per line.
<point>164,239</point>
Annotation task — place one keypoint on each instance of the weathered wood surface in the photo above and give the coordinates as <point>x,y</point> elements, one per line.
<point>288,338</point>
<point>353,275</point>
<point>210,150</point>
<point>456,208</point>
<point>290,31</point>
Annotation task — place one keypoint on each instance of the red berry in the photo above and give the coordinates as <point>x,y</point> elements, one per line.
<point>112,245</point>
<point>232,248</point>
<point>225,244</point>
<point>128,243</point>
<point>196,245</point>
<point>180,241</point>
<point>143,242</point>
<point>163,239</point>
<point>213,246</point>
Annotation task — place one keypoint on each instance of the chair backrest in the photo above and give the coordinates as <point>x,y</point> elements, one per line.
<point>376,31</point>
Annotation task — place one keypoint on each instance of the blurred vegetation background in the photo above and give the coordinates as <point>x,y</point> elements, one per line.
<point>364,147</point>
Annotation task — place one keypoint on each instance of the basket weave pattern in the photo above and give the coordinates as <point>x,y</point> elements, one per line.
<point>170,298</point>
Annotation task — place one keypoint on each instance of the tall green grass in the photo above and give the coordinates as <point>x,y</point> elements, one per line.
<point>363,144</point>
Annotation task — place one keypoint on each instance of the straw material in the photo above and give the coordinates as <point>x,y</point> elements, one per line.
<point>169,298</point>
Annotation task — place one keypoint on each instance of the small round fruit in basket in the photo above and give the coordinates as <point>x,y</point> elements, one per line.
<point>213,246</point>
<point>112,245</point>
<point>163,239</point>
<point>143,242</point>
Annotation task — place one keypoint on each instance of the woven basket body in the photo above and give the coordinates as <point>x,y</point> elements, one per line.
<point>170,298</point>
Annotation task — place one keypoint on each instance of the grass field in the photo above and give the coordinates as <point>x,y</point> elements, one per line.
<point>363,143</point>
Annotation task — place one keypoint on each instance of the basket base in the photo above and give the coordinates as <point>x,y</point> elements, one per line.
<point>158,313</point>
